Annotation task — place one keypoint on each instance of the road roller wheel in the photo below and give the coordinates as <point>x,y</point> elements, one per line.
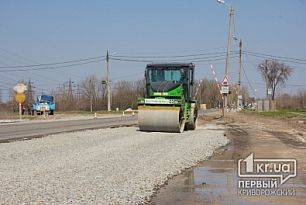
<point>193,119</point>
<point>161,119</point>
<point>182,121</point>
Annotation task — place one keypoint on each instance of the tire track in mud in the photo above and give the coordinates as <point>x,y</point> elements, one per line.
<point>215,181</point>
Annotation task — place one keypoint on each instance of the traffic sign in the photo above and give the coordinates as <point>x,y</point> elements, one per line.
<point>225,81</point>
<point>224,89</point>
<point>20,97</point>
<point>20,88</point>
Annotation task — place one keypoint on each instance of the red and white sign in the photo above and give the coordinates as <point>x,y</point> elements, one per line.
<point>20,88</point>
<point>225,82</point>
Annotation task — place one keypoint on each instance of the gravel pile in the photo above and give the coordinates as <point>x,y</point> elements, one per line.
<point>107,166</point>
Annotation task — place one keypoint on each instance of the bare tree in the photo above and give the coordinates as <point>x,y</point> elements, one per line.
<point>140,86</point>
<point>65,96</point>
<point>90,91</point>
<point>274,73</point>
<point>209,93</point>
<point>295,101</point>
<point>125,95</point>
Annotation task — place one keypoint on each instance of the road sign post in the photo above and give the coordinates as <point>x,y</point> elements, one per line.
<point>225,89</point>
<point>225,92</point>
<point>20,88</point>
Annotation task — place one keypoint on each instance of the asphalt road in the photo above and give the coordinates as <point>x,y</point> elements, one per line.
<point>21,130</point>
<point>34,129</point>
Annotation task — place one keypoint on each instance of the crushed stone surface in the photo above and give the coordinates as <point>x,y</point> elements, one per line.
<point>106,166</point>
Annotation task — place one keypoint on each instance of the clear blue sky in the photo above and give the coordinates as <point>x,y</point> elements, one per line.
<point>35,31</point>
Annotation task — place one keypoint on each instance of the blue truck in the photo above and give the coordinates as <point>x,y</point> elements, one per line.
<point>44,103</point>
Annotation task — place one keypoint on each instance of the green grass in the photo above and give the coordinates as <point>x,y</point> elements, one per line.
<point>278,113</point>
<point>285,113</point>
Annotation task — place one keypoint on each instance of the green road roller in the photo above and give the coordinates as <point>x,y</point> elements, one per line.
<point>169,104</point>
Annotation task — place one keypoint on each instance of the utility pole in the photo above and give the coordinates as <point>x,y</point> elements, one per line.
<point>69,104</point>
<point>90,90</point>
<point>108,83</point>
<point>69,89</point>
<point>29,96</point>
<point>227,63</point>
<point>78,96</point>
<point>70,96</point>
<point>239,73</point>
<point>266,71</point>
<point>225,92</point>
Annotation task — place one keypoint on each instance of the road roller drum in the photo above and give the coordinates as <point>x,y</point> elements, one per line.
<point>169,104</point>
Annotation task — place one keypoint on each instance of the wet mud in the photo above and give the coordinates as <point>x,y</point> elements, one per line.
<point>215,181</point>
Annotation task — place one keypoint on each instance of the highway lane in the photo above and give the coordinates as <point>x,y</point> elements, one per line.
<point>34,129</point>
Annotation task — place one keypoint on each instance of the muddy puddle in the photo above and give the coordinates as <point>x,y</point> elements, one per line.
<point>211,182</point>
<point>215,181</point>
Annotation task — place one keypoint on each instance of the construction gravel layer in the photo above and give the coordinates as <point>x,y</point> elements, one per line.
<point>107,166</point>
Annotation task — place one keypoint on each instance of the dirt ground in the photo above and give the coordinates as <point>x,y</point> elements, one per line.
<point>215,181</point>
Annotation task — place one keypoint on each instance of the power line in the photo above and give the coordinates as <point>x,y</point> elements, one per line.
<point>249,83</point>
<point>199,59</point>
<point>22,59</point>
<point>42,66</point>
<point>287,84</point>
<point>273,57</point>
<point>128,75</point>
<point>130,60</point>
<point>55,63</point>
<point>214,59</point>
<point>168,52</point>
<point>171,56</point>
<point>53,67</point>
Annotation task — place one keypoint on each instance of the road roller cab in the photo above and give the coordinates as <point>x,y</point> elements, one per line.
<point>169,104</point>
